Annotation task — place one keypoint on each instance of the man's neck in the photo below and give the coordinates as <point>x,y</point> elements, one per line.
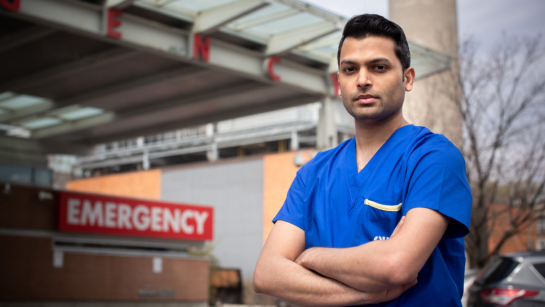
<point>370,136</point>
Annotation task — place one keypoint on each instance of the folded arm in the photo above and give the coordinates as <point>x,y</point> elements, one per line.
<point>381,265</point>
<point>277,274</point>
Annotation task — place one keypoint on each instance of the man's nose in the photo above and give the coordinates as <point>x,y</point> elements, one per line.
<point>364,79</point>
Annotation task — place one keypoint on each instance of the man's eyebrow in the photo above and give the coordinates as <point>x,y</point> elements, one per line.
<point>348,62</point>
<point>377,60</point>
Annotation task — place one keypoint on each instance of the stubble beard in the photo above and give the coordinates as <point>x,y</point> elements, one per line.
<point>374,113</point>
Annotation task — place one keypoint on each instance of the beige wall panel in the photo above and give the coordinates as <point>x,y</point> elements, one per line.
<point>278,174</point>
<point>145,184</point>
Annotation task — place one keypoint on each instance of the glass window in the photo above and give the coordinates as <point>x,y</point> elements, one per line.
<point>43,122</point>
<point>497,269</point>
<point>81,113</point>
<point>540,267</point>
<point>25,174</point>
<point>540,244</point>
<point>16,173</point>
<point>42,177</point>
<point>540,225</point>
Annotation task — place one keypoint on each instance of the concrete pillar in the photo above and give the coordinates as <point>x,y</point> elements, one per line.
<point>432,24</point>
<point>326,134</point>
<point>212,154</point>
<point>145,160</point>
<point>210,129</point>
<point>294,144</point>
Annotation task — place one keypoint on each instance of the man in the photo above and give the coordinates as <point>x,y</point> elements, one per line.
<point>381,217</point>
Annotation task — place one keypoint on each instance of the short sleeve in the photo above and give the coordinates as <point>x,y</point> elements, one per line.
<point>438,181</point>
<point>292,209</point>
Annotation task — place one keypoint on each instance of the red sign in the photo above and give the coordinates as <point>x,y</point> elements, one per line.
<point>113,23</point>
<point>270,67</point>
<point>11,5</point>
<point>91,213</point>
<point>201,47</point>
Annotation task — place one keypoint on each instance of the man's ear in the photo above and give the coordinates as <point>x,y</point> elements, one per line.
<point>339,84</point>
<point>409,75</point>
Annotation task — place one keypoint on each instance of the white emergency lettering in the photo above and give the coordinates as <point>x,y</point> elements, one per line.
<point>110,215</point>
<point>141,223</point>
<point>183,222</point>
<point>200,218</point>
<point>171,221</point>
<point>140,217</point>
<point>91,215</point>
<point>123,216</point>
<point>156,218</point>
<point>73,211</point>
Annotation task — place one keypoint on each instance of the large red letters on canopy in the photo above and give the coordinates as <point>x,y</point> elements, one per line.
<point>201,47</point>
<point>124,216</point>
<point>113,23</point>
<point>11,5</point>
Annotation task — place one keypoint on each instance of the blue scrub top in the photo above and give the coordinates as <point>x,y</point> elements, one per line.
<point>338,207</point>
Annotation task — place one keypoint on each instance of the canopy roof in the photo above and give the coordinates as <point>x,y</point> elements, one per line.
<point>77,73</point>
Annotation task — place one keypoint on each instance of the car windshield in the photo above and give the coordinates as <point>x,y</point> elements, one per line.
<point>540,267</point>
<point>497,269</point>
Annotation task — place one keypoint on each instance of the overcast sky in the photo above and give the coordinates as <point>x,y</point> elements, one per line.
<point>483,19</point>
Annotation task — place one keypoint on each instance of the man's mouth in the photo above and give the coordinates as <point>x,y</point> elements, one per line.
<point>366,98</point>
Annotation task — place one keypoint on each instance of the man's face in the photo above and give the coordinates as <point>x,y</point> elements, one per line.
<point>372,81</point>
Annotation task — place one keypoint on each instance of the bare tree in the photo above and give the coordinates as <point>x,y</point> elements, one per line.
<point>501,100</point>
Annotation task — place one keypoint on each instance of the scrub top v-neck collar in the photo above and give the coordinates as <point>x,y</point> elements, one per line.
<point>354,179</point>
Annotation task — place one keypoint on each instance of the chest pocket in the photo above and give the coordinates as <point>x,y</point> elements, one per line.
<point>379,219</point>
<point>390,208</point>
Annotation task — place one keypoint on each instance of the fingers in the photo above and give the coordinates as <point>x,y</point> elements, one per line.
<point>397,291</point>
<point>392,294</point>
<point>370,298</point>
<point>408,285</point>
<point>398,227</point>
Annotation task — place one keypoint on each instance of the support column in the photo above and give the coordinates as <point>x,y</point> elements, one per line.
<point>294,143</point>
<point>212,154</point>
<point>145,160</point>
<point>326,134</point>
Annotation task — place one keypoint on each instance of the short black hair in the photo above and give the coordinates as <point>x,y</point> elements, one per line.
<point>366,25</point>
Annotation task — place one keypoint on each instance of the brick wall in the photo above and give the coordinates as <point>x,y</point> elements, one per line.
<point>21,207</point>
<point>500,222</point>
<point>27,272</point>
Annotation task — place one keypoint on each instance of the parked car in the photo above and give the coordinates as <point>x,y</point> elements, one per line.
<point>469,278</point>
<point>515,280</point>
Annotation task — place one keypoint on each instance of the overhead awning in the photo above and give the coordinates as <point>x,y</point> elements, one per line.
<point>83,72</point>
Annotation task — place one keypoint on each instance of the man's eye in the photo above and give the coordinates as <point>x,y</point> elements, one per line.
<point>380,67</point>
<point>349,69</point>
